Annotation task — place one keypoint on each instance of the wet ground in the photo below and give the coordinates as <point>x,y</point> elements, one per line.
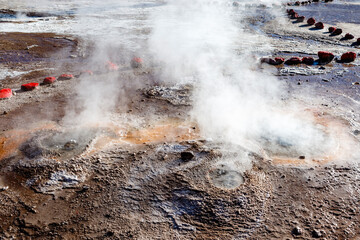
<point>150,174</point>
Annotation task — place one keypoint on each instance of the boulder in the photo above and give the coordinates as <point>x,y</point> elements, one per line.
<point>319,25</point>
<point>349,36</point>
<point>5,93</point>
<point>49,80</point>
<point>348,57</point>
<point>311,21</point>
<point>293,61</point>
<point>332,29</point>
<point>358,41</point>
<point>325,56</point>
<point>307,60</point>
<point>65,77</point>
<point>29,86</point>
<point>337,31</point>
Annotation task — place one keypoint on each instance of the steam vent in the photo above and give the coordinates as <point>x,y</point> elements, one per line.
<point>180,119</point>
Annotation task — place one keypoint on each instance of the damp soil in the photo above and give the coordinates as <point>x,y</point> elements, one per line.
<point>133,182</point>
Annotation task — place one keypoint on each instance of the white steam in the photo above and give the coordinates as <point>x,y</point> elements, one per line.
<point>208,44</point>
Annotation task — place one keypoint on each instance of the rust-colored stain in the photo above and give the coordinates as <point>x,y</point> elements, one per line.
<point>11,140</point>
<point>175,132</point>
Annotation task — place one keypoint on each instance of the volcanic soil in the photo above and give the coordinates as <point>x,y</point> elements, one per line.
<point>159,178</point>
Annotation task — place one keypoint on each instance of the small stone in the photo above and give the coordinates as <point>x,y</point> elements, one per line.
<point>187,156</point>
<point>29,86</point>
<point>300,19</point>
<point>4,188</point>
<point>325,56</point>
<point>296,231</point>
<point>348,57</point>
<point>332,29</point>
<point>337,31</point>
<point>349,36</point>
<point>302,157</point>
<point>319,25</point>
<point>293,61</point>
<point>307,60</point>
<point>316,234</point>
<point>311,21</point>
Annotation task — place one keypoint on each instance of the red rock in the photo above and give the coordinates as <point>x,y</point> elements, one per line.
<point>300,19</point>
<point>332,29</point>
<point>311,21</point>
<point>290,11</point>
<point>65,77</point>
<point>5,93</point>
<point>349,36</point>
<point>29,86</point>
<point>293,61</point>
<point>319,25</point>
<point>89,72</point>
<point>136,62</point>
<point>337,31</point>
<point>307,60</point>
<point>279,60</point>
<point>348,57</point>
<point>325,56</point>
<point>112,66</point>
<point>294,16</point>
<point>276,61</point>
<point>49,80</point>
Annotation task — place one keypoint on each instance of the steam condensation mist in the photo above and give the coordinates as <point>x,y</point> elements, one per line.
<point>206,43</point>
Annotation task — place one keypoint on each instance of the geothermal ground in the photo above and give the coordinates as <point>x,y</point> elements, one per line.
<point>147,172</point>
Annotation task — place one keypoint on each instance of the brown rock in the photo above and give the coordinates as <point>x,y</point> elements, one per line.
<point>311,21</point>
<point>332,29</point>
<point>293,61</point>
<point>349,36</point>
<point>300,19</point>
<point>307,60</point>
<point>348,57</point>
<point>325,56</point>
<point>337,31</point>
<point>319,25</point>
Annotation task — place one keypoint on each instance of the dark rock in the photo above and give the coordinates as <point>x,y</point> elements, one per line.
<point>311,21</point>
<point>348,57</point>
<point>316,234</point>
<point>300,19</point>
<point>293,61</point>
<point>296,231</point>
<point>332,29</point>
<point>325,56</point>
<point>349,36</point>
<point>307,60</point>
<point>279,60</point>
<point>276,61</point>
<point>336,32</point>
<point>302,157</point>
<point>319,25</point>
<point>187,156</point>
